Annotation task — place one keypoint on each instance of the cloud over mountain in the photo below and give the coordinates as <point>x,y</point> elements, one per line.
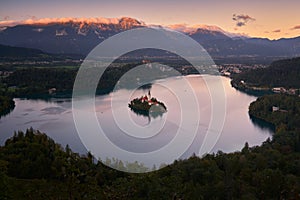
<point>34,20</point>
<point>242,20</point>
<point>190,29</point>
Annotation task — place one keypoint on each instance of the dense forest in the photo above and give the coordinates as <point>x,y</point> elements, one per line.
<point>33,166</point>
<point>36,82</point>
<point>282,73</point>
<point>6,105</point>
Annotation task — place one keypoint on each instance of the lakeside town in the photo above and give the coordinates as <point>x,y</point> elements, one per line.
<point>231,69</point>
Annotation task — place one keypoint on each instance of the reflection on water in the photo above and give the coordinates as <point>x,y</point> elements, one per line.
<point>55,118</point>
<point>145,87</point>
<point>262,124</point>
<point>53,110</point>
<point>148,114</point>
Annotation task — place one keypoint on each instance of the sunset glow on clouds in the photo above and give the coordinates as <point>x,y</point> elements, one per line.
<point>255,18</point>
<point>242,20</point>
<point>192,28</point>
<point>60,20</point>
<point>296,27</point>
<point>178,27</point>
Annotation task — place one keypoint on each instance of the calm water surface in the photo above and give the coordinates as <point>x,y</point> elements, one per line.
<point>55,118</point>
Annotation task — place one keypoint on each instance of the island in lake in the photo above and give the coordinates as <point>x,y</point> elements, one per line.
<point>147,104</point>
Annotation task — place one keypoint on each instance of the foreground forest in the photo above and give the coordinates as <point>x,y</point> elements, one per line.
<point>33,166</point>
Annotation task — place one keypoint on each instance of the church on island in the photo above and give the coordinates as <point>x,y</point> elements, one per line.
<point>145,103</point>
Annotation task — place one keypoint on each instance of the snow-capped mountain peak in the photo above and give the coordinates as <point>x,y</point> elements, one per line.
<point>127,22</point>
<point>190,30</point>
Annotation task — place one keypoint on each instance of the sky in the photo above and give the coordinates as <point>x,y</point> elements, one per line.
<point>272,19</point>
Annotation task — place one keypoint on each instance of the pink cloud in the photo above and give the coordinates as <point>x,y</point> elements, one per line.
<point>192,28</point>
<point>181,27</point>
<point>277,31</point>
<point>8,23</point>
<point>295,27</point>
<point>34,20</point>
<point>69,19</point>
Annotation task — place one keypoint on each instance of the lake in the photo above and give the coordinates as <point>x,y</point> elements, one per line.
<point>55,118</point>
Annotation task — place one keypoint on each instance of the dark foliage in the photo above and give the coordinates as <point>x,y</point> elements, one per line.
<point>282,73</point>
<point>35,82</point>
<point>287,116</point>
<point>6,105</point>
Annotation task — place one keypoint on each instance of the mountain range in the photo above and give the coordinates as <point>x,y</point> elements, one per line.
<point>81,36</point>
